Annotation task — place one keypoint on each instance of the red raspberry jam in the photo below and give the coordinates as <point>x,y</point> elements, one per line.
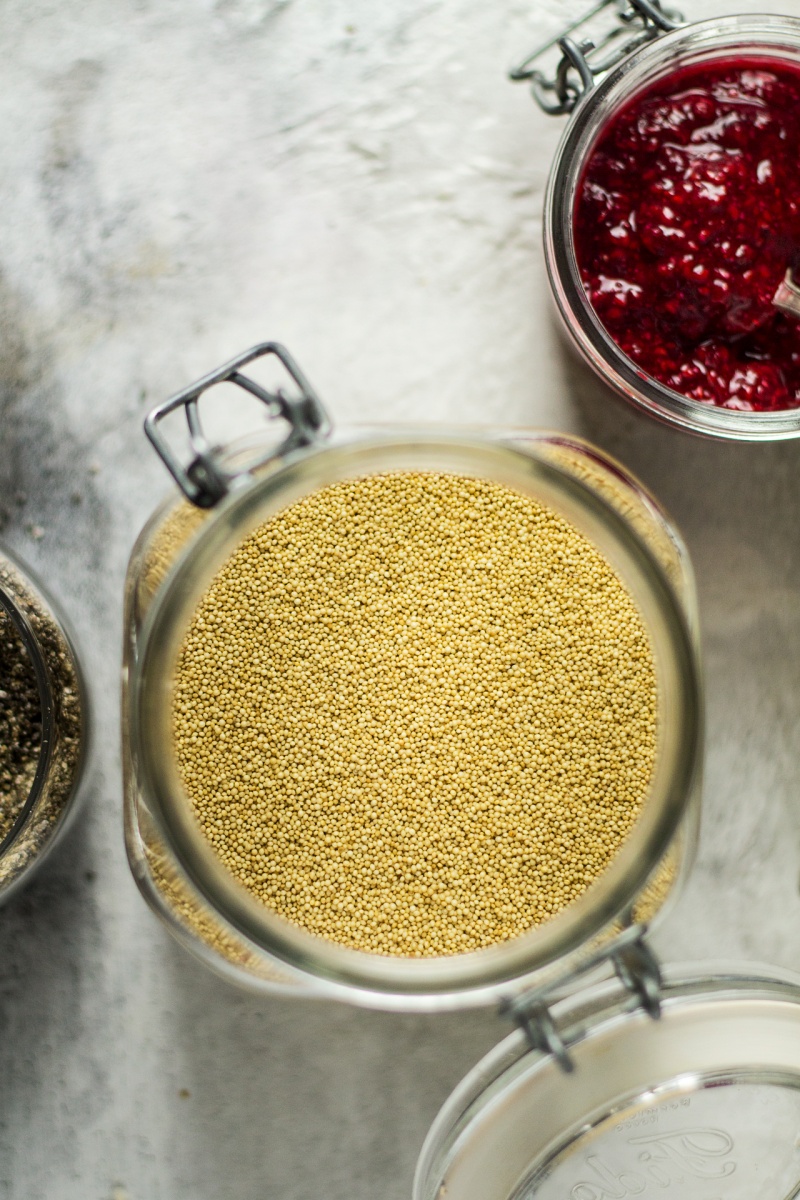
<point>687,218</point>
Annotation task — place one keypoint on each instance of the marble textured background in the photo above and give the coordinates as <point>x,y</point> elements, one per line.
<point>181,178</point>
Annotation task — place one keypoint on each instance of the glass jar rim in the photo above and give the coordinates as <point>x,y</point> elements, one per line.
<point>459,979</point>
<point>774,36</point>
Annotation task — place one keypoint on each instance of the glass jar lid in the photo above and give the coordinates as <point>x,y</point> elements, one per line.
<point>701,1103</point>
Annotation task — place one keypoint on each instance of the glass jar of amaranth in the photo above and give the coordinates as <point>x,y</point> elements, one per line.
<point>227,493</point>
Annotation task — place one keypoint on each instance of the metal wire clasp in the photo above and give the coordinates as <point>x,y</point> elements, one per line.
<point>635,966</point>
<point>582,61</point>
<point>204,479</point>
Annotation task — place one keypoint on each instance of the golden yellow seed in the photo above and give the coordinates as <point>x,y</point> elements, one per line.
<point>415,713</point>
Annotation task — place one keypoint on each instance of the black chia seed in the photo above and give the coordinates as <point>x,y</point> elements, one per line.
<point>20,724</point>
<point>21,730</point>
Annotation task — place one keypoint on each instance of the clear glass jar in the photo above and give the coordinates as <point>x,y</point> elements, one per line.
<point>178,554</point>
<point>595,94</point>
<point>45,812</point>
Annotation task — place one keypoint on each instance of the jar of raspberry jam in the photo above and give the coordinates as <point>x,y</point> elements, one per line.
<point>672,214</point>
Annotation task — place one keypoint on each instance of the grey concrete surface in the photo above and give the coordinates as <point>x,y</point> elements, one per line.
<point>181,178</point>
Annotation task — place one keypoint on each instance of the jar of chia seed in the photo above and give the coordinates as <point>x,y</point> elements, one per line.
<point>43,726</point>
<point>412,715</point>
<point>671,224</point>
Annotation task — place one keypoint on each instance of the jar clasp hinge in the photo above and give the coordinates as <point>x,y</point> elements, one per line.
<point>635,966</point>
<point>584,58</point>
<point>204,480</point>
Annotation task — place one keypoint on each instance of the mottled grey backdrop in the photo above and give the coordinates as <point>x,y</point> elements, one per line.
<point>179,179</point>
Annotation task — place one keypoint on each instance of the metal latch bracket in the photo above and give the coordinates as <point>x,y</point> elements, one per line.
<point>636,967</point>
<point>583,58</point>
<point>204,480</point>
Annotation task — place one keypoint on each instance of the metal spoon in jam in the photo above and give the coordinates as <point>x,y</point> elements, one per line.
<point>787,297</point>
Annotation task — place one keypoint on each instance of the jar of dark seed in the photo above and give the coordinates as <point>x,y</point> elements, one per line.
<point>387,696</point>
<point>42,726</point>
